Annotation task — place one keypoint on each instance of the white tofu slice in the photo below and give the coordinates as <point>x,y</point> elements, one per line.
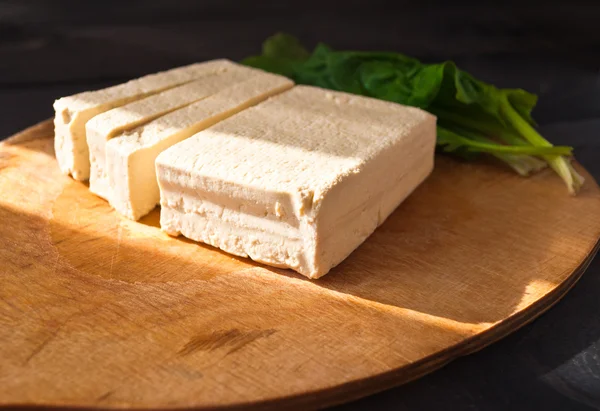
<point>130,156</point>
<point>298,181</point>
<point>73,112</point>
<point>105,126</point>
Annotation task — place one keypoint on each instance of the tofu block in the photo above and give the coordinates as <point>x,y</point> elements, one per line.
<point>105,126</point>
<point>298,181</point>
<point>131,156</point>
<point>73,112</point>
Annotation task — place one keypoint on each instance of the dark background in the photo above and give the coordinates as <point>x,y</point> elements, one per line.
<point>50,49</point>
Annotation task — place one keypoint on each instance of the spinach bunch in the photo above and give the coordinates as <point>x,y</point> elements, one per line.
<point>473,117</point>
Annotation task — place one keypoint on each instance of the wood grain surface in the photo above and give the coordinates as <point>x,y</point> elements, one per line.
<point>99,311</point>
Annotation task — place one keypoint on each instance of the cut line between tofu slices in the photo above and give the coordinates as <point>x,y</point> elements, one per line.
<point>130,157</point>
<point>73,112</point>
<point>107,125</point>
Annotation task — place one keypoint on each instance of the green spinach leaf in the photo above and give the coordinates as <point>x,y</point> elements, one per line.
<point>473,116</point>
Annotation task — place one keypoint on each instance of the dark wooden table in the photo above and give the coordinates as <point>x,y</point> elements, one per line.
<point>55,48</point>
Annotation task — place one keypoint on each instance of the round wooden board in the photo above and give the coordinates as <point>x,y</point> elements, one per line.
<point>99,311</point>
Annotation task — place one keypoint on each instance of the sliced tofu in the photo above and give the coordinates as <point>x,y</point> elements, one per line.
<point>73,112</point>
<point>298,181</point>
<point>105,126</point>
<point>130,156</point>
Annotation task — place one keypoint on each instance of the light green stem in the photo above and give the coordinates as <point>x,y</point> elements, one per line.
<point>524,165</point>
<point>559,164</point>
<point>483,147</point>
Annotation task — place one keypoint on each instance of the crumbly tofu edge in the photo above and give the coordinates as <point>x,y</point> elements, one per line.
<point>198,206</point>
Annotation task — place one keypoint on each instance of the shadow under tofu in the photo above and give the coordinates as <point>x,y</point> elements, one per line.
<point>464,248</point>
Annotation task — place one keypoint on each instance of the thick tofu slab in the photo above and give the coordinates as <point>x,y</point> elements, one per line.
<point>105,126</point>
<point>298,181</point>
<point>130,156</point>
<point>73,112</point>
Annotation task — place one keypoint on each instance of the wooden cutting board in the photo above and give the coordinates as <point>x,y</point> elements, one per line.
<point>99,311</point>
